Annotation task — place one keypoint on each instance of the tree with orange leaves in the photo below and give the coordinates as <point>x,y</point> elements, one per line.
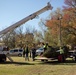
<point>68,27</point>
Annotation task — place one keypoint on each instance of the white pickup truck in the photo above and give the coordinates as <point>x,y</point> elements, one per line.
<point>3,52</point>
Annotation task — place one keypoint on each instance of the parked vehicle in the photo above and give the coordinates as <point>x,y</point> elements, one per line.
<point>40,51</point>
<point>3,52</point>
<point>16,52</point>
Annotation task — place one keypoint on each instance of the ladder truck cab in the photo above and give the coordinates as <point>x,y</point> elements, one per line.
<point>19,23</point>
<point>3,53</point>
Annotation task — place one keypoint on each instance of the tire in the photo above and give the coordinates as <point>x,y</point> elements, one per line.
<point>46,60</point>
<point>2,58</point>
<point>42,60</point>
<point>20,55</point>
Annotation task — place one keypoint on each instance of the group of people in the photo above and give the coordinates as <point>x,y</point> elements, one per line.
<point>61,56</point>
<point>32,52</point>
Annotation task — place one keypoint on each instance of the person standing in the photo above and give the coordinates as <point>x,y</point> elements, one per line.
<point>30,52</point>
<point>45,46</point>
<point>74,53</point>
<point>33,52</point>
<point>61,57</point>
<point>26,53</point>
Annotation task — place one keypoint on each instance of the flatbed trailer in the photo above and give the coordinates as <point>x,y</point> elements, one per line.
<point>44,58</point>
<point>69,55</point>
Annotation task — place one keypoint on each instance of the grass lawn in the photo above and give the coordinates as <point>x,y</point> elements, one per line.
<point>22,67</point>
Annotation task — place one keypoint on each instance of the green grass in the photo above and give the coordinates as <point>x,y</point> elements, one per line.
<point>22,67</point>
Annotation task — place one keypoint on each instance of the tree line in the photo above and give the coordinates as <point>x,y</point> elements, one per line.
<point>60,18</point>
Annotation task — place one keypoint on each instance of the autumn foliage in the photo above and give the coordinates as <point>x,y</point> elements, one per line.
<point>67,22</point>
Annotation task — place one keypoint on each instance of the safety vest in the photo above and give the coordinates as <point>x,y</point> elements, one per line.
<point>45,46</point>
<point>61,51</point>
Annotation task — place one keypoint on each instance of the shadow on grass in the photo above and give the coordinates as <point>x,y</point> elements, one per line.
<point>17,63</point>
<point>67,62</point>
<point>54,62</point>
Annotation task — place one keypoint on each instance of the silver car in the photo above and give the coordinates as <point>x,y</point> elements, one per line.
<point>16,52</point>
<point>40,51</point>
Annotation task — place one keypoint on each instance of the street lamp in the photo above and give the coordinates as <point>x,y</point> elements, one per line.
<point>59,33</point>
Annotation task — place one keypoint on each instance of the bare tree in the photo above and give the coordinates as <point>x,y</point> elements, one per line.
<point>9,39</point>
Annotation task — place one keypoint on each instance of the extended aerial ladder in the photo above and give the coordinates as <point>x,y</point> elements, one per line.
<point>30,17</point>
<point>19,23</point>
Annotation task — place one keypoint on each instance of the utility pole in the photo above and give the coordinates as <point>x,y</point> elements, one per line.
<point>75,2</point>
<point>59,33</point>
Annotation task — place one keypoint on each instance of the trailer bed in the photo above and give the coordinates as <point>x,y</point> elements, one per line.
<point>44,58</point>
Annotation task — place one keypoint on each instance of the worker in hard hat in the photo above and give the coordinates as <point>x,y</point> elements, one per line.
<point>45,46</point>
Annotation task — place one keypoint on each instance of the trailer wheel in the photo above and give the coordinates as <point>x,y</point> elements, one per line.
<point>2,58</point>
<point>42,60</point>
<point>46,60</point>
